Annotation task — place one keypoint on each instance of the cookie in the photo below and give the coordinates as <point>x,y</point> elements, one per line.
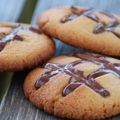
<point>84,28</point>
<point>80,86</point>
<point>23,46</point>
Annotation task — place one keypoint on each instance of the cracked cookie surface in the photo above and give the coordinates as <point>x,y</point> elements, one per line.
<point>23,46</point>
<point>80,86</point>
<point>85,28</point>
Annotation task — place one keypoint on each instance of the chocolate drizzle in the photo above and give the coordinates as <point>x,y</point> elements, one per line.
<point>80,79</point>
<point>13,35</point>
<point>101,26</point>
<point>10,37</point>
<point>35,30</point>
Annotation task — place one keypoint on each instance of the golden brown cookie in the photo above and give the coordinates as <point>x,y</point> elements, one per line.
<point>83,86</point>
<point>23,46</point>
<point>98,31</point>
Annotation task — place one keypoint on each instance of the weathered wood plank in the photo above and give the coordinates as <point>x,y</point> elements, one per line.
<point>5,79</point>
<point>16,107</point>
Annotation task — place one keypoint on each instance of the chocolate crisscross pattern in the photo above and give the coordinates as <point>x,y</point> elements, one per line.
<point>13,35</point>
<point>90,13</point>
<point>80,79</point>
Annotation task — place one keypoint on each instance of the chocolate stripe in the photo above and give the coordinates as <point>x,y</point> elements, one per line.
<point>69,69</point>
<point>10,37</point>
<point>13,35</point>
<point>100,27</point>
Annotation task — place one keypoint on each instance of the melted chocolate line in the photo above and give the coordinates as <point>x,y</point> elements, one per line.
<point>75,14</point>
<point>104,64</point>
<point>114,32</point>
<point>106,67</point>
<point>102,72</point>
<point>70,87</point>
<point>101,27</point>
<point>114,23</point>
<point>18,37</point>
<point>113,72</point>
<point>116,64</point>
<point>47,75</point>
<point>11,37</point>
<point>44,79</point>
<point>91,16</point>
<point>97,74</point>
<point>76,11</point>
<point>70,18</point>
<point>107,13</point>
<point>35,30</point>
<point>78,75</point>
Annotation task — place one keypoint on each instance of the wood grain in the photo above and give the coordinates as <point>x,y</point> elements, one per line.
<point>15,106</point>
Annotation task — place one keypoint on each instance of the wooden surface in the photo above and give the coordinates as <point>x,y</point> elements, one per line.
<point>15,106</point>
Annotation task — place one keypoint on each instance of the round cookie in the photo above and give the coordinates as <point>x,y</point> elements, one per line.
<point>98,31</point>
<point>82,86</point>
<point>23,46</point>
